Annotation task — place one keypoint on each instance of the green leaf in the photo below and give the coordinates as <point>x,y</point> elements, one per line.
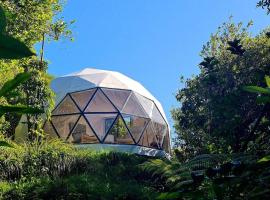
<point>5,144</point>
<point>3,22</point>
<point>263,100</point>
<point>12,84</point>
<point>11,48</point>
<point>264,159</point>
<point>267,80</point>
<point>257,89</point>
<point>169,195</point>
<point>12,94</point>
<point>19,109</point>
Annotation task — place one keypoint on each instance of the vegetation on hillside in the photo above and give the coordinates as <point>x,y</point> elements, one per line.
<point>54,170</point>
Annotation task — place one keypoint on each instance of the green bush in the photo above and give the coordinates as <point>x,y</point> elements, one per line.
<point>80,187</point>
<point>55,170</point>
<point>235,176</point>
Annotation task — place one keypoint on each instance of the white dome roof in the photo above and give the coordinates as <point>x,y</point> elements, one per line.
<point>90,78</point>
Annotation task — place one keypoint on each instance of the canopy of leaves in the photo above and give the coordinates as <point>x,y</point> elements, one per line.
<point>216,114</point>
<point>29,19</point>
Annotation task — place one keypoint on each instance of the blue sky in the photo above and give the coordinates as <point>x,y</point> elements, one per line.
<point>151,41</point>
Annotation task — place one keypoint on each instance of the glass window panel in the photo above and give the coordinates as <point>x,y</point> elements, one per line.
<point>156,116</point>
<point>64,124</point>
<point>82,98</point>
<point>118,97</point>
<point>49,130</point>
<point>119,134</point>
<point>67,106</point>
<point>82,133</point>
<point>100,103</point>
<point>135,125</point>
<point>101,123</point>
<point>133,107</point>
<point>146,104</point>
<point>166,142</point>
<point>160,130</point>
<point>149,137</point>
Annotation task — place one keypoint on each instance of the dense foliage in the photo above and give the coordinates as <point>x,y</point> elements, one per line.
<point>216,114</point>
<point>222,124</point>
<point>31,22</point>
<point>238,176</point>
<point>12,48</point>
<point>54,170</point>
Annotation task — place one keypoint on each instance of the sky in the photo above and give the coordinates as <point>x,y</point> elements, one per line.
<point>151,41</point>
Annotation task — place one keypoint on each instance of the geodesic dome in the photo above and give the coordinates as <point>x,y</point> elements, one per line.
<point>105,107</point>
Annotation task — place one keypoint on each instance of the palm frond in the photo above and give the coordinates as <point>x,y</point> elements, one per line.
<point>257,89</point>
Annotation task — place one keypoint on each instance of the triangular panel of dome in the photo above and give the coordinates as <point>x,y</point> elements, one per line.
<point>101,123</point>
<point>100,103</point>
<point>146,104</point>
<point>157,117</point>
<point>148,138</point>
<point>82,133</point>
<point>166,142</point>
<point>119,134</point>
<point>64,124</point>
<point>136,125</point>
<point>66,106</point>
<point>83,97</point>
<point>95,78</point>
<point>133,107</point>
<point>118,97</point>
<point>160,130</point>
<point>49,130</point>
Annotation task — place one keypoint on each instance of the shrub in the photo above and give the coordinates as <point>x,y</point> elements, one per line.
<point>55,170</point>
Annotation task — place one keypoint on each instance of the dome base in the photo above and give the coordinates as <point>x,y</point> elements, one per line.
<point>134,149</point>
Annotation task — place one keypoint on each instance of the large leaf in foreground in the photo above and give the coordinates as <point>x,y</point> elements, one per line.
<point>267,80</point>
<point>12,84</point>
<point>264,159</point>
<point>257,89</point>
<point>19,109</point>
<point>11,48</point>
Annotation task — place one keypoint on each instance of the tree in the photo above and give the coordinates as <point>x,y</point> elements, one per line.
<point>216,114</point>
<point>32,22</point>
<point>11,48</point>
<point>264,4</point>
<point>262,98</point>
